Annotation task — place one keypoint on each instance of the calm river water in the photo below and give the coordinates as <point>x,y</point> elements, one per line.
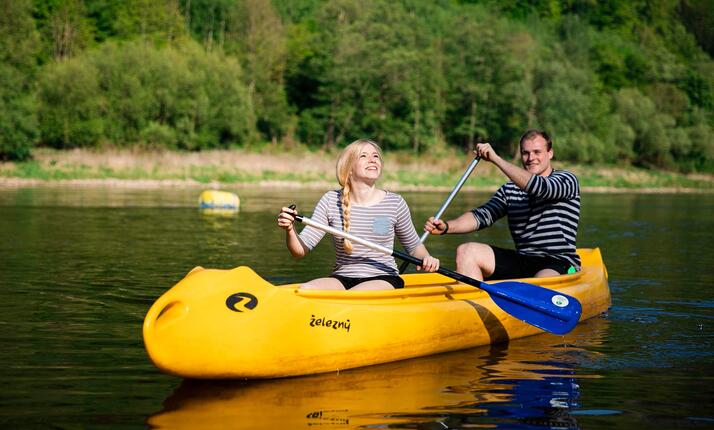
<point>80,267</point>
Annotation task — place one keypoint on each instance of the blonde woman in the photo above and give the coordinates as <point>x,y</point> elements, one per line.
<point>362,209</point>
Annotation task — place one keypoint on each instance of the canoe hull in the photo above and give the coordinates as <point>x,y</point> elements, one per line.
<point>234,324</point>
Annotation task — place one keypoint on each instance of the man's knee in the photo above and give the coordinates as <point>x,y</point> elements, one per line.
<point>473,256</point>
<point>469,251</point>
<point>546,273</point>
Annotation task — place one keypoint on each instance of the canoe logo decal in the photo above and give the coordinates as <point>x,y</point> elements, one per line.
<point>326,322</point>
<point>332,416</point>
<point>239,302</point>
<point>560,301</point>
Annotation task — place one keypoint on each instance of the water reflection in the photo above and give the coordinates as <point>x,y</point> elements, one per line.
<point>81,266</point>
<point>529,383</point>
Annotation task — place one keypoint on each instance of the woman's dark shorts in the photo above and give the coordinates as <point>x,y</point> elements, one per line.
<point>348,283</point>
<point>512,265</point>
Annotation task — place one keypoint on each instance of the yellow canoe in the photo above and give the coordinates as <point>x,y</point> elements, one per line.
<point>234,324</point>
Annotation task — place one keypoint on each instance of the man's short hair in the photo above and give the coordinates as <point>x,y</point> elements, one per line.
<point>533,133</point>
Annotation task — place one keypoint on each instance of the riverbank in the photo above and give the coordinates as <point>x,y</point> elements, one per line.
<point>298,168</point>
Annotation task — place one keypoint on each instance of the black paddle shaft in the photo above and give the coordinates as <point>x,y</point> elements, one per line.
<point>446,272</point>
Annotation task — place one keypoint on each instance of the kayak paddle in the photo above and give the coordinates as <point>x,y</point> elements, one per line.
<point>546,309</point>
<point>446,204</point>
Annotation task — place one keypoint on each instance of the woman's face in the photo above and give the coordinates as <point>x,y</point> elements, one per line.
<point>368,166</point>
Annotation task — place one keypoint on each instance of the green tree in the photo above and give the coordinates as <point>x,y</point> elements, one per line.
<point>652,142</point>
<point>569,107</point>
<point>376,71</point>
<point>157,20</point>
<point>698,17</point>
<point>522,9</point>
<point>207,20</point>
<point>103,15</point>
<point>18,120</point>
<point>256,35</point>
<point>613,81</point>
<point>71,105</point>
<point>488,73</point>
<point>607,13</point>
<point>19,47</point>
<point>177,96</point>
<point>701,156</point>
<point>65,28</point>
<point>70,29</point>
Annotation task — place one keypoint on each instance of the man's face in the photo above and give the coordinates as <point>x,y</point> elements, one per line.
<point>536,156</point>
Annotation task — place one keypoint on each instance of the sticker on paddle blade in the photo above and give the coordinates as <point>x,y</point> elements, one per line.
<point>560,301</point>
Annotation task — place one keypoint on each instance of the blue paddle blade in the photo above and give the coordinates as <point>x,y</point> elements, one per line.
<point>546,309</point>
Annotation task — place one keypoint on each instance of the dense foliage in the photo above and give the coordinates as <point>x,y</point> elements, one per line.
<point>629,82</point>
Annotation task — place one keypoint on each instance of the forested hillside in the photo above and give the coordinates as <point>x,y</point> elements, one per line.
<point>626,82</point>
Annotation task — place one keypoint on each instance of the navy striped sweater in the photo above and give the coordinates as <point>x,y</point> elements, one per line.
<point>543,218</point>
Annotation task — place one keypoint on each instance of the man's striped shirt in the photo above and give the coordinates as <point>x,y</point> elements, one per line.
<point>543,218</point>
<point>377,223</point>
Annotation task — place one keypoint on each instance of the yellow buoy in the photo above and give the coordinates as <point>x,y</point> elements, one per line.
<point>218,200</point>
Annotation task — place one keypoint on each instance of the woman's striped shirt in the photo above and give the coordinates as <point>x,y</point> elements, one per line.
<point>543,218</point>
<point>377,223</point>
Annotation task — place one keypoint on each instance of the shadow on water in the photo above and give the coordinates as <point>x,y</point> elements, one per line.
<point>529,383</point>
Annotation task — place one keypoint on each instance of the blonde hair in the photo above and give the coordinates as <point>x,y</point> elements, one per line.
<point>345,163</point>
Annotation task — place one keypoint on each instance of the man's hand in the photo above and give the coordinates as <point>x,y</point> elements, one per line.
<point>485,151</point>
<point>436,226</point>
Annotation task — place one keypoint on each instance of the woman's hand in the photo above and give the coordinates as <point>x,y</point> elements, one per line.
<point>286,218</point>
<point>429,264</point>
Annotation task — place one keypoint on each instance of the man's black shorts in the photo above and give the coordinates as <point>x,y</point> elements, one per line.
<point>512,265</point>
<point>348,283</point>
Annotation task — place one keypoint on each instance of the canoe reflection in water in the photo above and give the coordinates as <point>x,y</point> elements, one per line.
<point>525,403</point>
<point>528,383</point>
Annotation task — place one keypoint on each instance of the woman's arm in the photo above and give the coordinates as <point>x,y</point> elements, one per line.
<point>286,220</point>
<point>406,233</point>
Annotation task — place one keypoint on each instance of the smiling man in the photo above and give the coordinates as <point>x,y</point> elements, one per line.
<point>543,210</point>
